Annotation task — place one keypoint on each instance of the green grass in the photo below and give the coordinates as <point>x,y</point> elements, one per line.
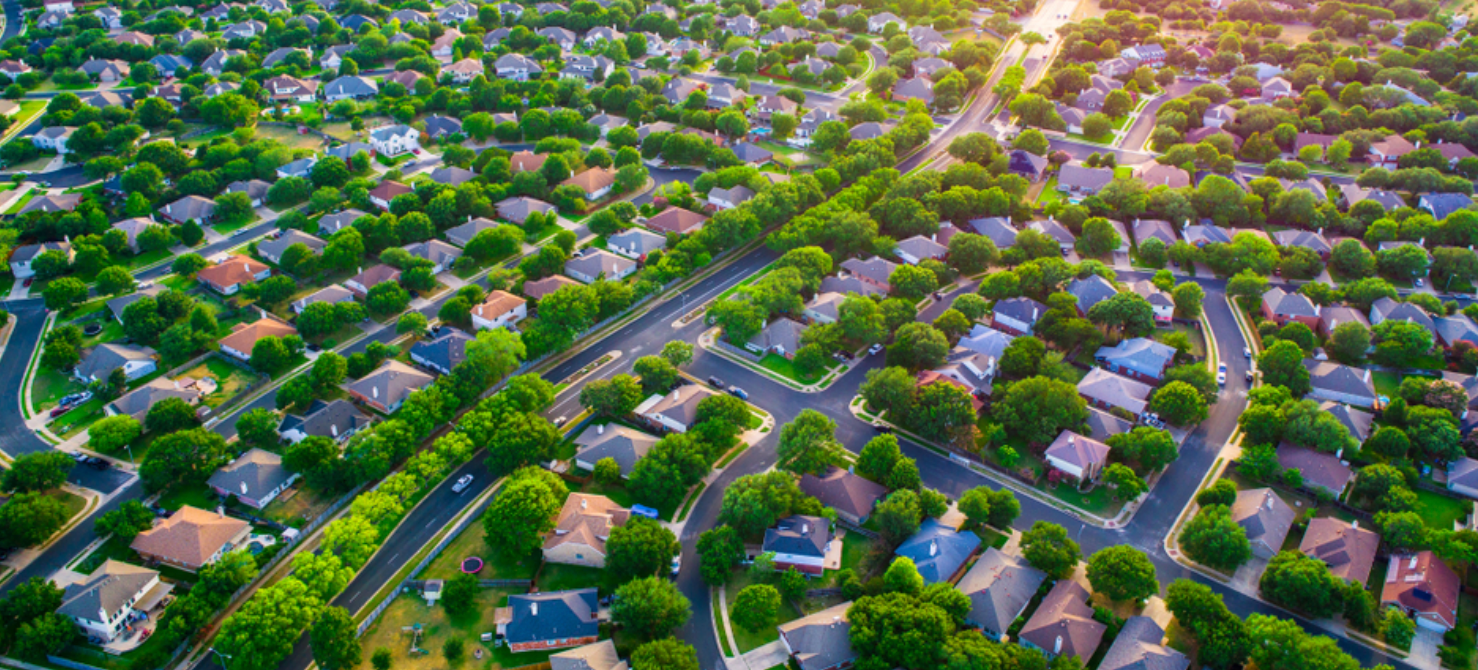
<point>79,418</point>
<point>473,542</point>
<point>1386,383</point>
<point>718,622</point>
<point>115,548</point>
<point>1099,501</point>
<point>692,500</point>
<point>228,227</point>
<point>855,547</point>
<point>1123,172</point>
<point>1198,341</point>
<point>1049,193</point>
<point>1440,511</point>
<point>48,386</point>
<point>616,492</point>
<point>438,627</point>
<point>199,497</point>
<point>112,331</point>
<point>561,577</point>
<point>745,640</point>
<point>990,538</point>
<point>785,367</point>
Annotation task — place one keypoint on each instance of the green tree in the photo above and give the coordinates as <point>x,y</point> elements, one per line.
<point>755,607</point>
<point>459,596</point>
<point>1049,549</point>
<point>1214,539</point>
<point>808,444</point>
<point>1038,408</point>
<point>650,607</point>
<point>1122,572</point>
<point>1282,365</point>
<point>1179,403</point>
<point>28,519</point>
<point>524,511</point>
<point>641,548</point>
<point>335,636</point>
<point>1303,583</point>
<point>719,550</point>
<point>37,471</point>
<point>665,654</point>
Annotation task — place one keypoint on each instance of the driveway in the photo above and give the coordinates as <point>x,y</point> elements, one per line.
<point>1424,649</point>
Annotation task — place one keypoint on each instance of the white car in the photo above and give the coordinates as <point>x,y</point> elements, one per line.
<point>462,484</point>
<point>1246,352</point>
<point>874,349</point>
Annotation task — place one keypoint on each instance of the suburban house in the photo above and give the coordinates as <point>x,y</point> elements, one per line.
<point>136,403</point>
<point>1456,328</point>
<point>21,258</point>
<point>1266,518</point>
<point>536,290</point>
<point>918,249</point>
<point>1386,152</point>
<point>332,294</point>
<point>350,88</point>
<point>387,191</point>
<point>1090,292</point>
<point>329,224</point>
<point>1063,624</point>
<point>595,264</point>
<point>1138,358</point>
<point>387,387</point>
<point>1147,229</point>
<point>1320,470</point>
<point>228,276</point>
<point>115,595</point>
<point>1340,383</point>
<point>1017,316</point>
<point>1346,548</point>
<point>361,283</point>
<point>1332,316</point>
<point>939,550</point>
<point>595,183</point>
<point>1000,587</point>
<point>595,656</point>
<point>1106,390</point>
<point>518,209</point>
<point>191,538</point>
<point>1462,476</point>
<point>1282,307</point>
<point>444,353</point>
<point>676,411</point>
<point>1082,458</point>
<point>555,620</point>
<point>850,494</point>
<point>501,309</point>
<point>395,140</point>
<point>1161,303</point>
<point>581,530</point>
<point>1079,180</point>
<point>729,198</point>
<point>441,254</point>
<point>1313,241</point>
<point>635,243</point>
<point>337,420</point>
<point>1140,645</point>
<point>874,271</point>
<point>245,336</point>
<point>256,478</point>
<point>824,307</point>
<point>271,249</point>
<point>255,190</point>
<point>800,542</point>
<point>135,360</point>
<point>623,445</point>
<point>1439,205</point>
<point>53,138</point>
<point>781,336</point>
<point>1387,308</point>
<point>820,641</point>
<point>1425,588</point>
<point>462,235</point>
<point>190,208</point>
<point>516,67</point>
<point>1360,423</point>
<point>285,89</point>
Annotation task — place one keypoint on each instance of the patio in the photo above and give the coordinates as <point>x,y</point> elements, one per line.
<point>137,632</point>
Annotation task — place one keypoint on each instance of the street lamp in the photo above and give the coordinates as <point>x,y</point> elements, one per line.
<point>224,657</point>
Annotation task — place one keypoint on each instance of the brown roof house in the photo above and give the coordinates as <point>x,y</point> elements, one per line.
<point>1063,624</point>
<point>536,290</point>
<point>1320,470</point>
<point>1345,547</point>
<point>388,386</point>
<point>821,641</point>
<point>1138,647</point>
<point>136,403</point>
<point>850,494</point>
<point>581,530</point>
<point>501,309</point>
<point>228,276</point>
<point>526,161</point>
<point>596,183</point>
<point>245,336</point>
<point>1423,587</point>
<point>1080,457</point>
<point>1340,383</point>
<point>1265,517</point>
<point>361,283</point>
<point>1281,306</point>
<point>517,210</point>
<point>676,220</point>
<point>191,538</point>
<point>598,656</point>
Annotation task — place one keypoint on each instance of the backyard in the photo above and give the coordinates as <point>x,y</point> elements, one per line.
<point>297,506</point>
<point>392,631</point>
<point>230,380</point>
<point>472,542</point>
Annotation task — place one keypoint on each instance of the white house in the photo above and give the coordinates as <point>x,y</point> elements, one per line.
<point>501,310</point>
<point>877,22</point>
<point>112,597</point>
<point>395,140</point>
<point>53,138</point>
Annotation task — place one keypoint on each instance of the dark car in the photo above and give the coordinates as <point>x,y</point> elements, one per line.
<point>716,382</point>
<point>98,463</point>
<point>882,427</point>
<point>314,348</point>
<point>738,393</point>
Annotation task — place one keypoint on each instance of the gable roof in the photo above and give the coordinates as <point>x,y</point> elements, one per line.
<point>1319,469</point>
<point>598,656</point>
<point>232,271</point>
<point>1423,583</point>
<point>447,351</point>
<point>107,357</point>
<point>1330,376</point>
<point>288,238</point>
<point>1091,291</point>
<point>821,640</point>
<point>1105,386</point>
<point>1063,623</point>
<point>938,551</point>
<point>799,535</point>
<point>1138,647</point>
<point>586,520</point>
<point>1345,547</point>
<point>536,617</point>
<point>1264,515</point>
<point>677,220</point>
<point>1283,303</point>
<point>254,473</point>
<point>243,336</point>
<point>390,383</point>
<point>1358,422</point>
<point>108,589</point>
<point>624,445</point>
<point>1074,449</point>
<point>326,419</point>
<point>844,491</point>
<point>136,403</point>
<point>597,262</point>
<point>999,587</point>
<point>191,535</point>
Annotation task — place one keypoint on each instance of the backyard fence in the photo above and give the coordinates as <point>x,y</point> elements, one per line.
<point>737,351</point>
<point>854,528</point>
<point>68,663</point>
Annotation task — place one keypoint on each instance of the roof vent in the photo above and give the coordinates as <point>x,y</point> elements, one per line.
<point>243,488</point>
<point>533,609</point>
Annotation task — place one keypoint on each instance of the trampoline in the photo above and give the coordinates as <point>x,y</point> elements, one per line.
<point>471,565</point>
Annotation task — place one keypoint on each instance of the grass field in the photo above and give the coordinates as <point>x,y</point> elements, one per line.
<point>297,506</point>
<point>1386,383</point>
<point>198,497</point>
<point>229,379</point>
<point>437,627</point>
<point>787,368</point>
<point>1440,511</point>
<point>473,542</point>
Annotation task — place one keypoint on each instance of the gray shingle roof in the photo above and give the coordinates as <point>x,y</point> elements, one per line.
<point>1063,624</point>
<point>447,351</point>
<point>106,358</point>
<point>999,587</point>
<point>998,229</point>
<point>1117,391</point>
<point>326,419</point>
<point>254,473</point>
<point>1264,516</point>
<point>1138,648</point>
<point>799,535</point>
<point>821,640</point>
<point>625,445</point>
<point>1091,291</point>
<point>560,615</point>
<point>938,551</point>
<point>1338,378</point>
<point>107,589</point>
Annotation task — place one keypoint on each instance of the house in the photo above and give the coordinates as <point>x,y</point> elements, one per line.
<point>332,294</point>
<point>272,250</point>
<point>970,371</point>
<point>916,88</point>
<point>439,253</point>
<point>1139,646</point>
<point>526,161</point>
<point>1456,328</point>
<point>606,123</point>
<point>386,192</point>
<point>23,256</point>
<point>190,208</point>
<point>596,264</point>
<point>1440,205</point>
<point>869,130</point>
<point>820,641</point>
<point>877,22</point>
<point>1217,116</point>
<point>283,88</point>
<point>244,337</point>
<point>555,620</point>
<point>114,596</point>
<point>581,530</point>
<point>1360,423</point>
<point>467,69</point>
<point>228,276</point>
<point>771,105</point>
<point>1138,358</point>
<point>1079,180</point>
<point>191,538</point>
<point>998,229</point>
<point>783,35</point>
<point>395,140</point>
<point>1265,518</point>
<point>635,243</point>
<point>1055,231</point>
<point>918,249</point>
<point>874,271</point>
<point>442,127</point>
<point>623,445</point>
<point>277,56</point>
<point>501,309</point>
<point>1275,88</point>
<point>1425,588</point>
<point>1016,316</point>
<point>168,64</point>
<point>676,411</point>
<point>1387,152</point>
<point>446,45</point>
<point>361,283</point>
<point>451,176</point>
<point>1090,292</point>
<point>1205,233</point>
<point>677,220</point>
<point>939,550</point>
<point>1346,548</point>
<point>255,190</point>
<point>1283,307</point>
<point>561,37</point>
<point>1320,470</point>
<point>729,198</point>
<point>1387,308</point>
<point>985,341</point>
<point>110,16</point>
<point>595,656</point>
<point>136,403</point>
<point>516,67</point>
<point>999,587</point>
<point>1063,624</point>
<point>589,69</point>
<point>536,290</point>
<point>800,542</point>
<point>337,420</point>
<point>1146,229</point>
<point>443,353</point>
<point>215,64</point>
<point>135,360</point>
<point>1144,54</point>
<point>823,308</point>
<point>350,88</point>
<point>346,152</point>
<point>256,478</point>
<point>1082,458</point>
<point>595,183</point>
<point>850,495</point>
<point>1106,390</point>
<point>518,209</point>
<point>1340,383</point>
<point>751,154</point>
<point>781,336</point>
<point>1313,241</point>
<point>1388,200</point>
<point>387,387</point>
<point>1462,476</point>
<point>53,138</point>
<point>1160,302</point>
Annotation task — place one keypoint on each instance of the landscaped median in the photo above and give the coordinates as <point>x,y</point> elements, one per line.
<point>775,366</point>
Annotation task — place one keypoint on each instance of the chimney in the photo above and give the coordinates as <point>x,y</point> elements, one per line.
<point>600,430</point>
<point>375,391</point>
<point>221,514</point>
<point>1320,232</point>
<point>1267,500</point>
<point>805,529</point>
<point>334,429</point>
<point>1057,646</point>
<point>533,609</point>
<point>584,503</point>
<point>933,547</point>
<point>1367,375</point>
<point>243,488</point>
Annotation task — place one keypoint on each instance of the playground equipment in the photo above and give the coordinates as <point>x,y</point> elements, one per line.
<point>471,565</point>
<point>415,631</point>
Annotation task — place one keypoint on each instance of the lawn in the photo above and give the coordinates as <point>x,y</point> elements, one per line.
<point>746,640</point>
<point>74,502</point>
<point>1386,383</point>
<point>436,628</point>
<point>112,331</point>
<point>115,548</point>
<point>79,418</point>
<point>616,492</point>
<point>991,538</point>
<point>1049,193</point>
<point>48,386</point>
<point>289,137</point>
<point>230,380</point>
<point>198,497</point>
<point>855,547</point>
<point>1099,501</point>
<point>785,367</point>
<point>1440,511</point>
<point>561,577</point>
<point>1198,341</point>
<point>297,506</point>
<point>228,227</point>
<point>472,542</point>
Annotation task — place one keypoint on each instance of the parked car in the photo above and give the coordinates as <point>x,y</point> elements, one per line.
<point>677,565</point>
<point>462,483</point>
<point>1246,352</point>
<point>716,382</point>
<point>98,463</point>
<point>874,349</point>
<point>738,393</point>
<point>882,427</point>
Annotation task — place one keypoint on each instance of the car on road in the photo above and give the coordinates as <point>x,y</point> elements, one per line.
<point>882,427</point>
<point>240,231</point>
<point>1251,375</point>
<point>1221,374</point>
<point>28,281</point>
<point>97,463</point>
<point>874,349</point>
<point>561,421</point>
<point>716,382</point>
<point>1246,352</point>
<point>738,393</point>
<point>1420,282</point>
<point>314,348</point>
<point>462,483</point>
<point>677,565</point>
